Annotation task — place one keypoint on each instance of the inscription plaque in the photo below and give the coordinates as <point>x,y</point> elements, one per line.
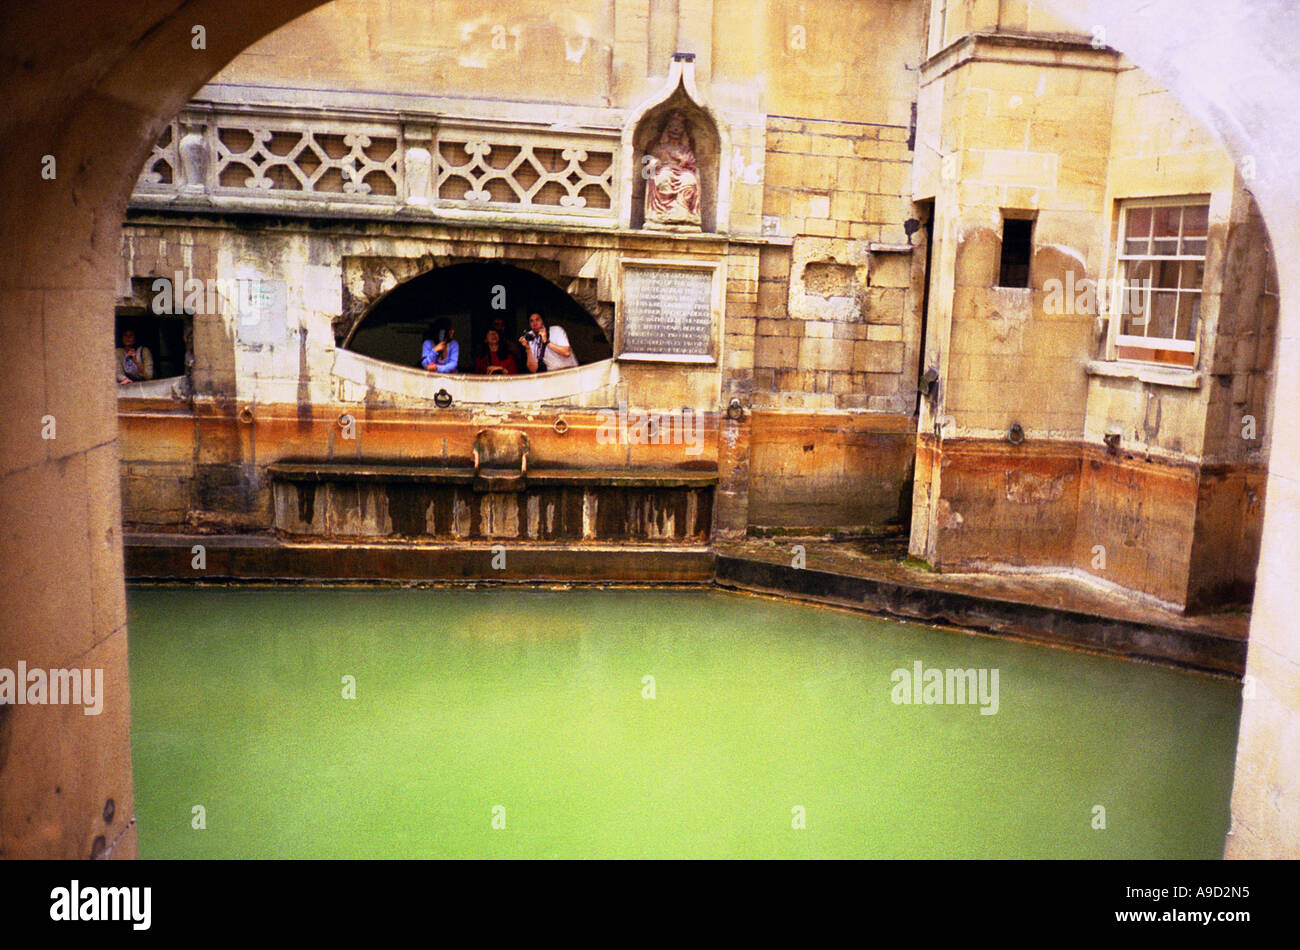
<point>263,308</point>
<point>667,313</point>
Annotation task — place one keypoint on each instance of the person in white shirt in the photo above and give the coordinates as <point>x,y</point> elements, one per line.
<point>548,347</point>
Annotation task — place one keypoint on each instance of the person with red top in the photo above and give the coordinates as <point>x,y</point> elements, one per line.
<point>494,359</point>
<point>508,345</point>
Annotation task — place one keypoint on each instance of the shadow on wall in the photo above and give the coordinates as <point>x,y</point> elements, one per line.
<point>471,296</point>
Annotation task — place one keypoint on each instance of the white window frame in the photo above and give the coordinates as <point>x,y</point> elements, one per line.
<point>1115,339</point>
<point>938,24</point>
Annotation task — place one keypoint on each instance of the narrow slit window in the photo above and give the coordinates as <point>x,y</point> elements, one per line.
<point>1017,242</point>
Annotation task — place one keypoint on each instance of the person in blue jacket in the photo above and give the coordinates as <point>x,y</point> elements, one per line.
<point>441,352</point>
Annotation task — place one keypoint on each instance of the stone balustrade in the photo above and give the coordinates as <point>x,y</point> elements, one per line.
<point>315,160</point>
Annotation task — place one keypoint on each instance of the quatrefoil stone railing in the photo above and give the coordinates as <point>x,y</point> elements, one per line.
<point>218,159</point>
<point>530,175</point>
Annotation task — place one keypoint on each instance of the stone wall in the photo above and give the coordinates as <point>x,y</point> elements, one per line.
<point>823,285</point>
<point>839,318</point>
<point>813,472</point>
<point>450,48</point>
<point>1056,130</point>
<point>200,460</point>
<point>329,273</point>
<point>205,466</point>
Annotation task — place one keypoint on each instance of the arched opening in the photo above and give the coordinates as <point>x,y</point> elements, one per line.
<point>472,297</point>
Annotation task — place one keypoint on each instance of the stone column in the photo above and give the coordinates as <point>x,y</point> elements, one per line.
<point>731,500</point>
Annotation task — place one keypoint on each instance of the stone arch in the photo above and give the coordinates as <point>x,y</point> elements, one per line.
<point>464,291</point>
<point>95,100</point>
<point>1254,49</point>
<point>368,280</point>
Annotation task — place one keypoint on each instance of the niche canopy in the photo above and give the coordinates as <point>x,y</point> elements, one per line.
<point>675,151</point>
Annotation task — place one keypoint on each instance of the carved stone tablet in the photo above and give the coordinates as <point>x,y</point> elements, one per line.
<point>668,312</point>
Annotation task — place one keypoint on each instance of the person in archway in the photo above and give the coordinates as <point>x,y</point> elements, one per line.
<point>547,347</point>
<point>495,358</point>
<point>134,363</point>
<point>508,344</point>
<point>441,352</point>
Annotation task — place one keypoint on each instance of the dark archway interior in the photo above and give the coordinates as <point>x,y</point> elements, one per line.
<point>471,296</point>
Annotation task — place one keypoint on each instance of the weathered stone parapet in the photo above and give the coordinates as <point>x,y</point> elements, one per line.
<point>327,158</point>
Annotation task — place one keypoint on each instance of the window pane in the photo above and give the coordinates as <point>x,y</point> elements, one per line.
<point>1164,247</point>
<point>1196,220</point>
<point>1132,303</point>
<point>1155,355</point>
<point>1189,315</point>
<point>1163,306</point>
<point>1137,246</point>
<point>1195,246</point>
<point>1166,221</point>
<point>1136,283</point>
<point>1166,274</point>
<point>1137,222</point>
<point>1193,274</point>
<point>1133,323</point>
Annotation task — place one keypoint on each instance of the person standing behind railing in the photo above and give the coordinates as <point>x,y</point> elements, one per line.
<point>441,352</point>
<point>547,347</point>
<point>134,363</point>
<point>507,344</point>
<point>495,359</point>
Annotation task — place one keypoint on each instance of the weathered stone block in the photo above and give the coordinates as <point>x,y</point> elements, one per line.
<point>876,357</point>
<point>824,354</point>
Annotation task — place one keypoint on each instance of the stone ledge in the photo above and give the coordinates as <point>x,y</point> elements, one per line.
<point>1154,375</point>
<point>464,475</point>
<point>263,559</point>
<point>1032,49</point>
<point>1195,650</point>
<point>356,376</point>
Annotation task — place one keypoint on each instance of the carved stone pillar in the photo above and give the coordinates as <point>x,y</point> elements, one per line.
<point>419,168</point>
<point>193,151</point>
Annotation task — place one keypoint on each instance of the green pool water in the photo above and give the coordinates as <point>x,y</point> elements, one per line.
<point>475,709</point>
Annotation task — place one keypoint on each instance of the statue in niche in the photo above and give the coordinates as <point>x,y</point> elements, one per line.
<point>672,178</point>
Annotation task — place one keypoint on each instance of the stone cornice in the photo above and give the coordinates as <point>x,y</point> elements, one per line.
<point>1020,49</point>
